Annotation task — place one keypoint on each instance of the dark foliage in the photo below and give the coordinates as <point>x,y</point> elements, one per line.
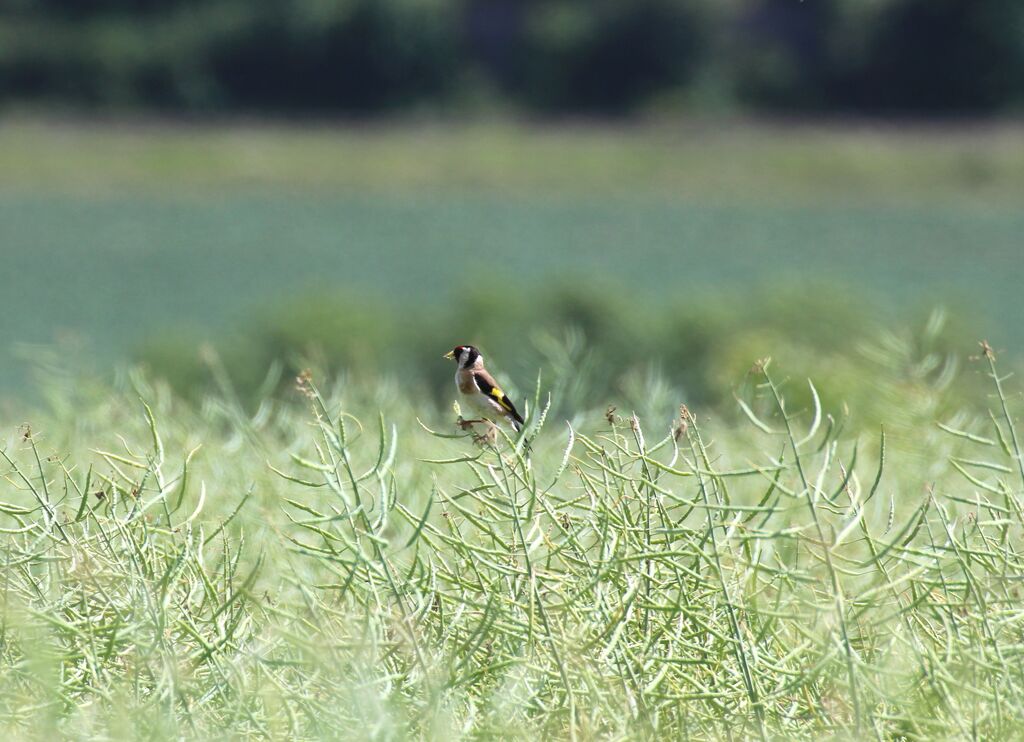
<point>605,57</point>
<point>932,56</point>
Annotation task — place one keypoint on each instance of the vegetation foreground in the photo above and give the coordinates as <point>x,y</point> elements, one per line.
<point>319,569</point>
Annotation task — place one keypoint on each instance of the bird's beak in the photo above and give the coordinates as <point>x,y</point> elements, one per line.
<point>450,355</point>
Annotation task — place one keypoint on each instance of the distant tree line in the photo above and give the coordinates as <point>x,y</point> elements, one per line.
<point>603,57</point>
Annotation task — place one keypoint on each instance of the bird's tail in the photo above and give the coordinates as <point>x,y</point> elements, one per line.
<point>518,424</point>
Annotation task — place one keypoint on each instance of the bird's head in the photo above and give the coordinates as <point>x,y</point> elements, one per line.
<point>465,355</point>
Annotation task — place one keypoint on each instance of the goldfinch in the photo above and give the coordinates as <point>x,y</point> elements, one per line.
<point>479,390</point>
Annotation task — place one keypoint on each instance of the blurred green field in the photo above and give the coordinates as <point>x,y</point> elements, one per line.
<point>707,160</point>
<point>114,234</point>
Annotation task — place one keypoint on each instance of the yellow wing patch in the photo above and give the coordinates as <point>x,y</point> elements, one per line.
<point>494,392</point>
<point>500,396</point>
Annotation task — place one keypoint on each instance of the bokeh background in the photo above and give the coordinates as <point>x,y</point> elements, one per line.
<point>227,191</point>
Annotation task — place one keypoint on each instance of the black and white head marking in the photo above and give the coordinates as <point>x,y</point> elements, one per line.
<point>468,356</point>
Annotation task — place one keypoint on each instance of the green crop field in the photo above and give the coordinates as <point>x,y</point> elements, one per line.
<point>766,490</point>
<point>345,563</point>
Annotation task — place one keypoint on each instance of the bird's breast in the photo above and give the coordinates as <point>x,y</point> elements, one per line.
<point>464,380</point>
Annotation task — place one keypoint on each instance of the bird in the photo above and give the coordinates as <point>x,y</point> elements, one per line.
<point>478,389</point>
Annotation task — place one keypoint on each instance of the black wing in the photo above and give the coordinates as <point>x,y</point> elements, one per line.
<point>495,393</point>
